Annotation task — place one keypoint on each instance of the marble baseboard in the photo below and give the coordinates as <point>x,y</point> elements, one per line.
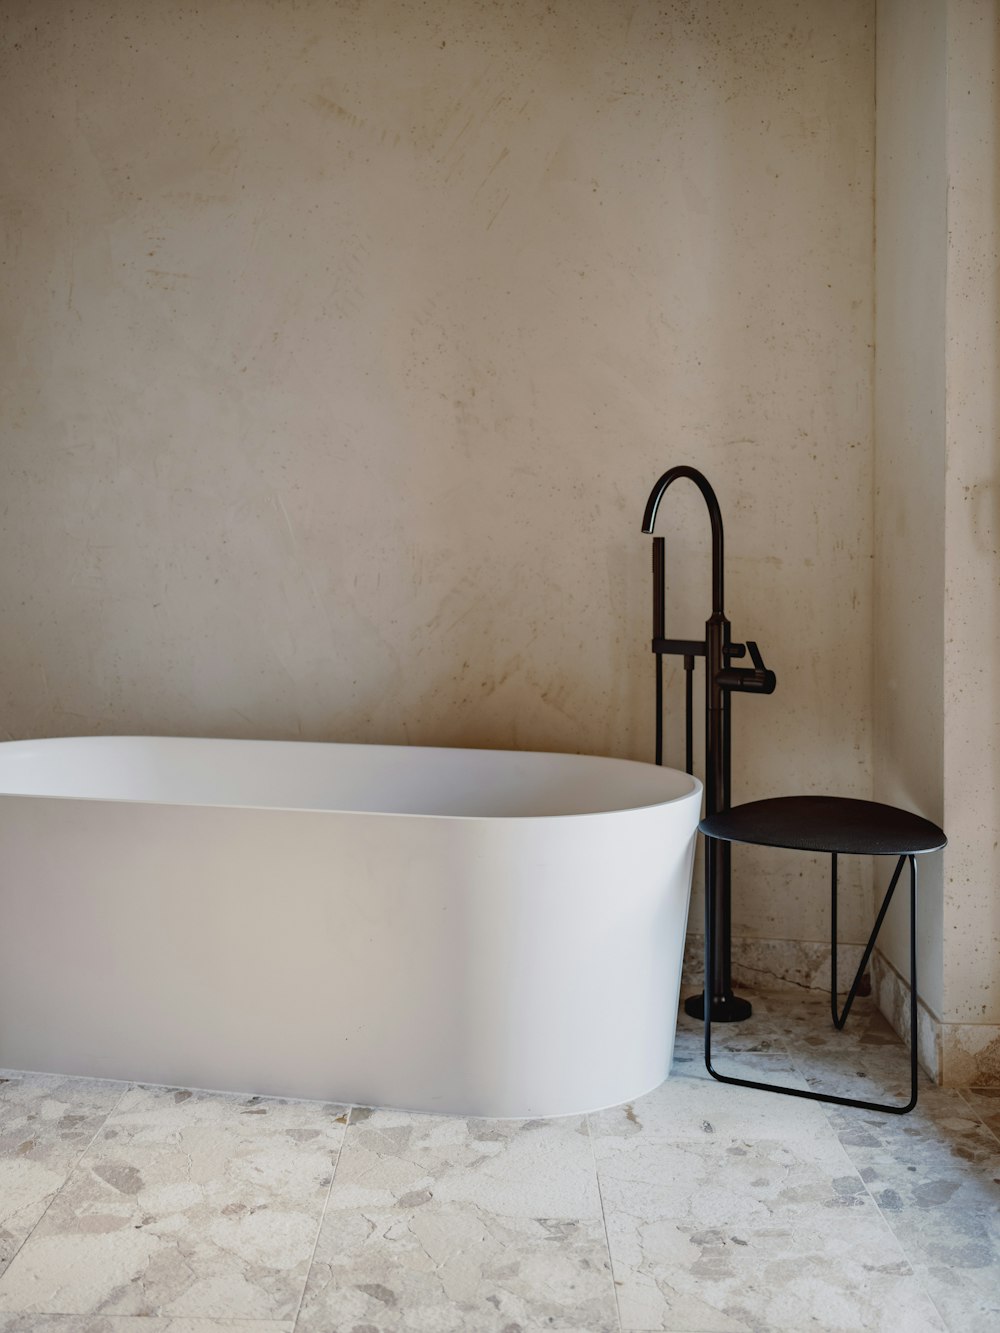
<point>892,995</point>
<point>954,1054</point>
<point>775,964</point>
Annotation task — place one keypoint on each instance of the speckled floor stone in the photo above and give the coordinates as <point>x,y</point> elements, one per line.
<point>729,1232</point>
<point>438,1223</point>
<point>187,1204</point>
<point>698,1208</point>
<point>71,1323</point>
<point>689,1104</point>
<point>46,1123</point>
<point>985,1105</point>
<point>757,1035</point>
<point>742,1212</point>
<point>935,1176</point>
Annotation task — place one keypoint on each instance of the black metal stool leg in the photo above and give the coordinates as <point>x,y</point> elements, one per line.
<point>833,937</point>
<point>825,1096</point>
<point>840,1019</point>
<point>913,985</point>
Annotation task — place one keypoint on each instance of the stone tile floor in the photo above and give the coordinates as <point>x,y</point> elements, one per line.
<point>700,1208</point>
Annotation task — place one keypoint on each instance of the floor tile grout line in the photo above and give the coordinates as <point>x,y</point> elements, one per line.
<point>914,1268</point>
<point>322,1218</point>
<point>828,1109</point>
<point>989,1128</point>
<point>131,1087</point>
<point>55,1193</point>
<point>604,1222</point>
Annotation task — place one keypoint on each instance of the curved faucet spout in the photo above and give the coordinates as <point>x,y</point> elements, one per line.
<point>714,514</point>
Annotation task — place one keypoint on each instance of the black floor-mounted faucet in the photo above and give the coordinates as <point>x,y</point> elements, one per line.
<point>720,680</point>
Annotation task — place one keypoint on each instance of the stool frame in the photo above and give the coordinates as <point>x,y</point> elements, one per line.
<point>839,1019</point>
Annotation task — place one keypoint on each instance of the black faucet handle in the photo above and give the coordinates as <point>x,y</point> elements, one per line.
<point>755,656</point>
<point>750,680</point>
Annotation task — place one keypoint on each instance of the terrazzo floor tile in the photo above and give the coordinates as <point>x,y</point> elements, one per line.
<point>760,1032</point>
<point>153,1210</point>
<point>873,1073</point>
<point>689,1059</point>
<point>186,1204</point>
<point>71,1323</point>
<point>46,1123</point>
<point>935,1175</point>
<point>453,1224</point>
<point>692,1104</point>
<point>807,1021</point>
<point>157,1115</point>
<point>985,1103</point>
<point>864,1060</point>
<point>734,1234</point>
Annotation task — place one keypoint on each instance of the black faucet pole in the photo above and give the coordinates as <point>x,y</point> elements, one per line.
<point>720,680</point>
<point>726,1007</point>
<point>659,612</point>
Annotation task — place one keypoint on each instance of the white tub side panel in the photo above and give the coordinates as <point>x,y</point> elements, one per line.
<point>484,967</point>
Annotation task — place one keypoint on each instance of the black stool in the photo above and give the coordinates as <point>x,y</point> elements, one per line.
<point>836,825</point>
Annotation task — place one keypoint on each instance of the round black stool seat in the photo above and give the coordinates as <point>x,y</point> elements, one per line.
<point>826,824</point>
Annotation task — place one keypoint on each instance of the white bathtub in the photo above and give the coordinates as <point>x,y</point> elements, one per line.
<point>490,933</point>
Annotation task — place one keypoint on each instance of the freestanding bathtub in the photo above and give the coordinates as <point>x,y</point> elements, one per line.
<point>492,933</point>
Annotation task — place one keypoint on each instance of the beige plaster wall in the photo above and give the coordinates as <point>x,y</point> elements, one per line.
<point>910,282</point>
<point>344,341</point>
<point>972,521</point>
<point>937,595</point>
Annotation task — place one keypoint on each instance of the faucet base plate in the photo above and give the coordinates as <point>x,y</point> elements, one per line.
<point>725,1008</point>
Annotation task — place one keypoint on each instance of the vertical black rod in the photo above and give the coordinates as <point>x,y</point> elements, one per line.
<point>724,893</point>
<point>689,713</point>
<point>913,982</point>
<point>659,709</point>
<point>833,937</point>
<point>710,983</point>
<point>659,619</point>
<point>717,797</point>
<point>871,944</point>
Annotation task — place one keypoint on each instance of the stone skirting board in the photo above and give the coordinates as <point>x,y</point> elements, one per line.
<point>956,1055</point>
<point>776,964</point>
<point>892,995</point>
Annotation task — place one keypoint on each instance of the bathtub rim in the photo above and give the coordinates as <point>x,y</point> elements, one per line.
<point>695,788</point>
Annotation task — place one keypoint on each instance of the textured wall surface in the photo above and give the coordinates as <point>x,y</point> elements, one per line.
<point>910,282</point>
<point>972,521</point>
<point>937,597</point>
<point>343,343</point>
